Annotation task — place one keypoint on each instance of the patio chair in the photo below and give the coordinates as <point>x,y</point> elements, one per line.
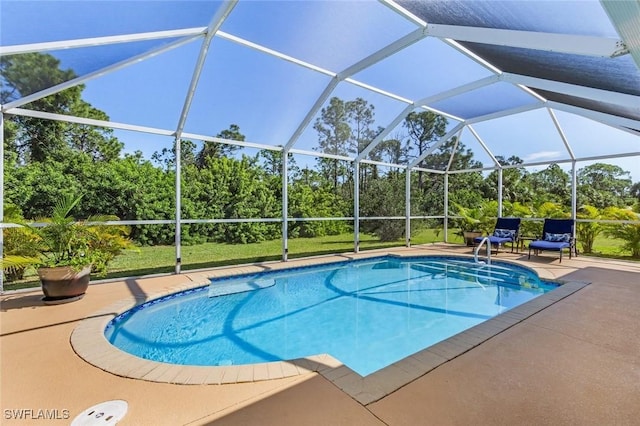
<point>557,235</point>
<point>506,230</point>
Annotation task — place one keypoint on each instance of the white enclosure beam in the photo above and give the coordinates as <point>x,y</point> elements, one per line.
<point>605,157</point>
<point>574,194</point>
<point>383,53</point>
<point>435,146</point>
<point>320,154</point>
<point>407,208</point>
<point>500,192</point>
<point>548,162</point>
<point>561,133</point>
<point>531,92</point>
<point>378,91</point>
<point>243,144</point>
<point>446,207</point>
<point>453,152</point>
<point>348,72</point>
<point>345,74</point>
<point>442,113</point>
<point>625,17</point>
<point>484,146</point>
<point>178,212</point>
<point>285,207</point>
<point>90,122</point>
<point>216,22</point>
<point>103,71</point>
<point>382,163</point>
<point>615,98</point>
<point>274,53</point>
<point>550,42</point>
<point>621,123</point>
<point>98,41</point>
<point>479,169</point>
<point>423,169</point>
<point>403,12</point>
<point>214,25</point>
<point>471,55</point>
<point>460,90</point>
<point>380,137</point>
<point>312,113</point>
<point>143,129</point>
<point>356,207</point>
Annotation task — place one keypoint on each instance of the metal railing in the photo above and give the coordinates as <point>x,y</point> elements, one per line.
<point>486,241</point>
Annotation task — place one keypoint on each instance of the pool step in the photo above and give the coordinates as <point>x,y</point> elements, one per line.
<point>482,271</point>
<point>238,286</point>
<point>458,273</point>
<point>473,265</point>
<point>483,275</point>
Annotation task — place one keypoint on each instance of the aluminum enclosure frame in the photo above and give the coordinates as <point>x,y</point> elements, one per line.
<point>450,34</point>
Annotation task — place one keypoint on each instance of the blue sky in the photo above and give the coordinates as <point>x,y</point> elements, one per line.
<point>268,97</point>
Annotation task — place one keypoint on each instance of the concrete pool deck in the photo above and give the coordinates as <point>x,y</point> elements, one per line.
<point>575,361</point>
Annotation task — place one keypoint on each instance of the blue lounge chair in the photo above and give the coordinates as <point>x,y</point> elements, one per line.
<point>557,235</point>
<point>507,230</point>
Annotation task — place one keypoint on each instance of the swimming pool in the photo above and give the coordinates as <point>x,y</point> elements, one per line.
<point>366,313</point>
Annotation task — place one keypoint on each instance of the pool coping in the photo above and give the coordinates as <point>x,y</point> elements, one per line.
<point>89,342</point>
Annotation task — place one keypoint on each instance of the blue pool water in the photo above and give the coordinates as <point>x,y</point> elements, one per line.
<point>367,313</point>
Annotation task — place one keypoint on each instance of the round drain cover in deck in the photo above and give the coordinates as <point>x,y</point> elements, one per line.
<point>105,413</point>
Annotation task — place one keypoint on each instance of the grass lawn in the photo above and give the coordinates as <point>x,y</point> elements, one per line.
<point>160,259</point>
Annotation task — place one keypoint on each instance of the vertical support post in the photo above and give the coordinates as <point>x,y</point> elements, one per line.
<point>407,206</point>
<point>178,157</point>
<point>574,186</point>
<point>500,192</point>
<point>356,206</point>
<point>446,207</point>
<point>574,200</point>
<point>285,206</point>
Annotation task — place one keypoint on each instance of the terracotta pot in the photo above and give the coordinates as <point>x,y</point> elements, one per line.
<point>64,284</point>
<point>470,235</point>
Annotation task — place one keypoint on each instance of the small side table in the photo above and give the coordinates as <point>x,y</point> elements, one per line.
<point>523,239</point>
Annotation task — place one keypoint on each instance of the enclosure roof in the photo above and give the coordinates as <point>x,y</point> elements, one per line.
<point>186,69</point>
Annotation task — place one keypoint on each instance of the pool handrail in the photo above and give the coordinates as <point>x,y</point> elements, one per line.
<point>485,240</point>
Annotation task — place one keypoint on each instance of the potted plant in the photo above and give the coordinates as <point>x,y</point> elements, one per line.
<point>68,251</point>
<point>473,222</point>
<point>18,243</point>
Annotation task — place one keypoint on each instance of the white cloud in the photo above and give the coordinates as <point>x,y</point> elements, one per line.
<point>544,155</point>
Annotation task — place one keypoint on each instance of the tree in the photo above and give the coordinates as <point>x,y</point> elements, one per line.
<point>229,188</point>
<point>634,191</point>
<point>384,197</point>
<point>603,185</point>
<point>360,116</point>
<point>629,232</point>
<point>310,200</point>
<point>166,157</point>
<point>334,133</point>
<point>551,184</point>
<point>272,165</point>
<point>36,139</point>
<point>464,188</point>
<point>98,143</point>
<point>586,232</point>
<point>390,151</point>
<point>514,188</point>
<point>216,149</point>
<point>424,128</point>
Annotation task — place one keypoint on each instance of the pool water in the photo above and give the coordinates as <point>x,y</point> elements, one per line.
<point>367,313</point>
